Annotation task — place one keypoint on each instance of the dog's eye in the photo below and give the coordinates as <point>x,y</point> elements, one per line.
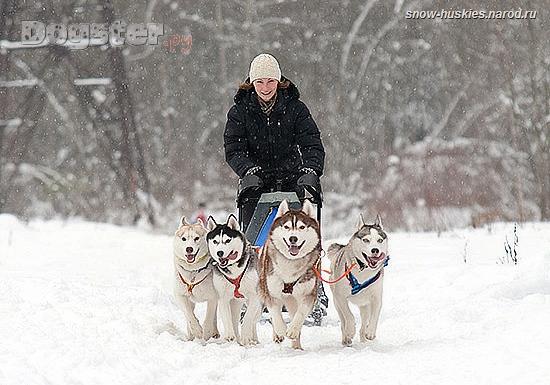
<point>227,241</point>
<point>286,227</point>
<point>196,239</point>
<point>216,242</point>
<point>183,239</point>
<point>380,240</point>
<point>302,227</point>
<point>366,240</point>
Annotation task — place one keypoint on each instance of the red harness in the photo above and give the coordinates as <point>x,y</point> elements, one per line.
<point>237,281</point>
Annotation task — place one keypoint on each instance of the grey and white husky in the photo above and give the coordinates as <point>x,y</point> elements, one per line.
<point>235,280</point>
<point>193,278</point>
<point>364,256</point>
<point>292,251</point>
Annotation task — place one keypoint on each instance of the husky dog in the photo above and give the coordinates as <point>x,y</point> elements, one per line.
<point>288,258</point>
<point>193,278</point>
<point>367,250</point>
<point>235,280</point>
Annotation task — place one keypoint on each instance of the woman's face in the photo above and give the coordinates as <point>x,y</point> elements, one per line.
<point>266,88</point>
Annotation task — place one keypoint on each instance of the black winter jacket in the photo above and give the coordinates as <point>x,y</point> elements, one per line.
<point>281,144</point>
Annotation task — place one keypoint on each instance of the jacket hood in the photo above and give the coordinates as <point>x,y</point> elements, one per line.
<point>249,96</point>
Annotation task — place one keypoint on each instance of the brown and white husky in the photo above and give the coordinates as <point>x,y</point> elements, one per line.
<point>290,254</point>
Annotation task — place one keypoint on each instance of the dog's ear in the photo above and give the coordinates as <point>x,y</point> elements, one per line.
<point>183,221</point>
<point>200,222</point>
<point>233,223</point>
<point>360,222</point>
<point>283,208</point>
<point>378,221</point>
<point>211,223</point>
<point>309,209</point>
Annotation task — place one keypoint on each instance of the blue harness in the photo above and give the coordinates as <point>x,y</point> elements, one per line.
<point>356,287</point>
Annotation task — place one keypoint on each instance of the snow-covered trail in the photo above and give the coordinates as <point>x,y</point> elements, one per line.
<point>86,303</point>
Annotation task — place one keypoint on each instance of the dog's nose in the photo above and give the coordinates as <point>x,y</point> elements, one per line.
<point>189,250</point>
<point>375,251</point>
<point>293,239</point>
<point>220,253</point>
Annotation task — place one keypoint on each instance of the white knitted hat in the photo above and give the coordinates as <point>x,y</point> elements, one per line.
<point>264,66</point>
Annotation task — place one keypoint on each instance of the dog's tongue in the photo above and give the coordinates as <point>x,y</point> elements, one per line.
<point>190,258</point>
<point>232,255</point>
<point>294,250</point>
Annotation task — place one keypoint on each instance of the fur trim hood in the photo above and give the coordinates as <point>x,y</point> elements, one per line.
<point>244,96</point>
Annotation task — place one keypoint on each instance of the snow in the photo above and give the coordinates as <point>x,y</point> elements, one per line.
<point>18,83</point>
<point>93,82</point>
<point>89,303</point>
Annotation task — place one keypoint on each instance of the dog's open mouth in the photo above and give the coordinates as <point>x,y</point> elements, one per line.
<point>223,262</point>
<point>293,248</point>
<point>374,259</point>
<point>231,256</point>
<point>191,257</point>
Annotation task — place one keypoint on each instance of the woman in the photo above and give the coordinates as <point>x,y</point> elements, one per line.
<point>270,134</point>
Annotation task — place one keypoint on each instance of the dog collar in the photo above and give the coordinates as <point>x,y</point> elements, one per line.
<point>191,286</point>
<point>237,281</point>
<point>356,287</point>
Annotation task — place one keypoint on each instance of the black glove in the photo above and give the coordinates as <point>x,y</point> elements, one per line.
<point>309,179</point>
<point>248,184</point>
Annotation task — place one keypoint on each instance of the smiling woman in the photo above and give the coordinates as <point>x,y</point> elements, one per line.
<point>271,134</point>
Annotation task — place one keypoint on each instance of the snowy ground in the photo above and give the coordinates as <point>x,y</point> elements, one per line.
<point>85,303</point>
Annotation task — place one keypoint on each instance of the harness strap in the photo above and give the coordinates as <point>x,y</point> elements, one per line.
<point>191,286</point>
<point>288,288</point>
<point>318,274</point>
<point>356,287</point>
<point>237,281</point>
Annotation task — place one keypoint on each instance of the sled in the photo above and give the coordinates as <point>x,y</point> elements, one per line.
<point>257,230</point>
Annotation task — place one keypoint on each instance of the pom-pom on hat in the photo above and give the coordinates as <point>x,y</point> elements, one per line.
<point>264,66</point>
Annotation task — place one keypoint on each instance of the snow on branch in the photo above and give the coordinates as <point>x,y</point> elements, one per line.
<point>93,82</point>
<point>18,83</point>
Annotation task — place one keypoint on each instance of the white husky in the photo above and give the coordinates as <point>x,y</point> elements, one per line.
<point>364,258</point>
<point>235,280</point>
<point>288,258</point>
<point>193,278</point>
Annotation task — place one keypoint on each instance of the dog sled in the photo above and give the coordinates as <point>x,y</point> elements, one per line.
<point>257,228</point>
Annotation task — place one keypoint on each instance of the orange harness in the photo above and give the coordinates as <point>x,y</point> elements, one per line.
<point>318,274</point>
<point>191,286</point>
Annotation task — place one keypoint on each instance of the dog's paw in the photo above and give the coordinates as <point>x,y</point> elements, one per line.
<point>248,341</point>
<point>367,333</point>
<point>347,341</point>
<point>207,334</point>
<point>280,331</point>
<point>194,330</point>
<point>277,338</point>
<point>296,345</point>
<point>369,336</point>
<point>293,332</point>
<point>230,338</point>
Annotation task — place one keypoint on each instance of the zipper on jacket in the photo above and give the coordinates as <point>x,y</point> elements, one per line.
<point>270,143</point>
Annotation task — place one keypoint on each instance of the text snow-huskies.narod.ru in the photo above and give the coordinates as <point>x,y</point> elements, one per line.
<point>472,14</point>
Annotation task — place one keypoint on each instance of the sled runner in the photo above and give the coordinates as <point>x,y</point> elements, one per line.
<point>258,227</point>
